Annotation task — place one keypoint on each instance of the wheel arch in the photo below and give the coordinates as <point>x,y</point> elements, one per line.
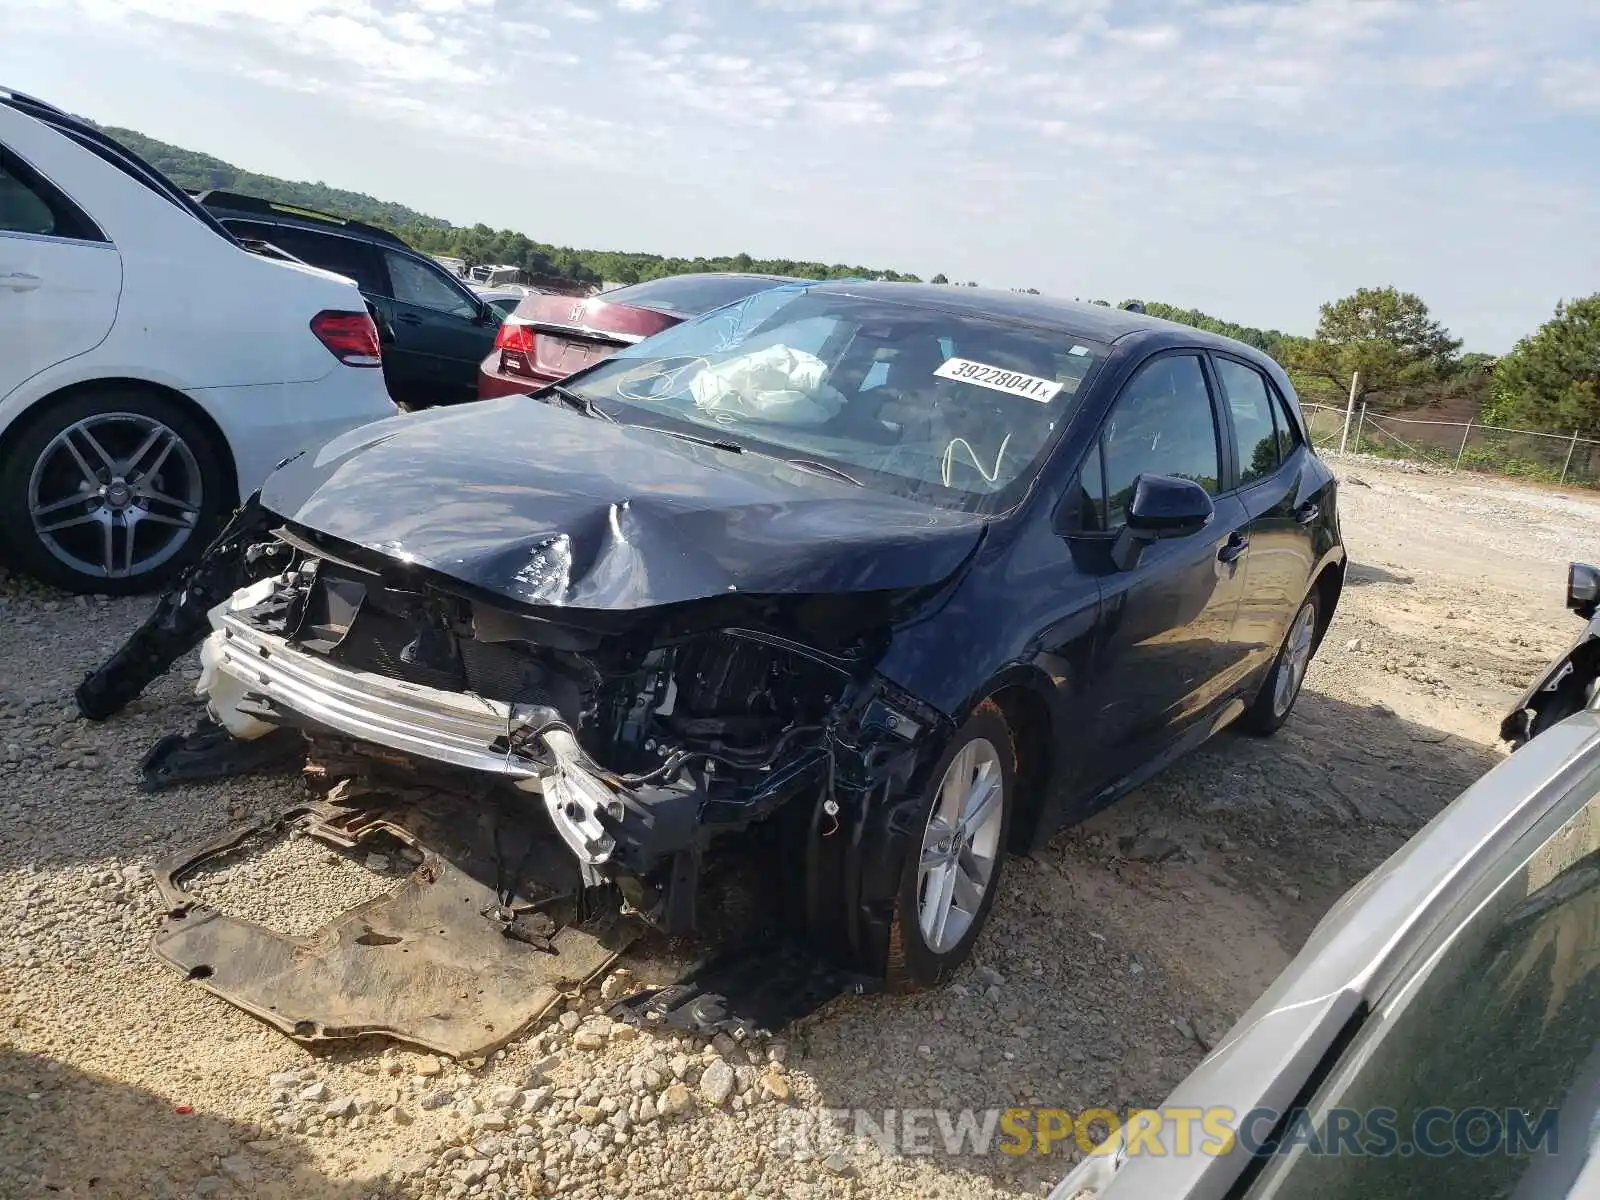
<point>1028,700</point>
<point>1328,586</point>
<point>191,407</point>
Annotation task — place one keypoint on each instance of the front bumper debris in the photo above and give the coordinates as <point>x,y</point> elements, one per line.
<point>450,727</point>
<point>476,944</point>
<point>279,682</point>
<point>649,745</point>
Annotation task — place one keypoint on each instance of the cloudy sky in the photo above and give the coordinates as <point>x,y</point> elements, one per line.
<point>1250,159</point>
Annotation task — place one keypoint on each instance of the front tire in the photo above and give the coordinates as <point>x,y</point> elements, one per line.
<point>1275,701</point>
<point>113,490</point>
<point>951,875</point>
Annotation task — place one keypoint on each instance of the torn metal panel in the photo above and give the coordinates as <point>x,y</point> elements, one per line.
<point>179,621</point>
<point>476,944</point>
<point>748,993</point>
<point>211,752</point>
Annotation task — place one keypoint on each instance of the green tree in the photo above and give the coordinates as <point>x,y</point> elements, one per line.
<point>1387,335</point>
<point>941,277</point>
<point>1275,343</point>
<point>1551,380</point>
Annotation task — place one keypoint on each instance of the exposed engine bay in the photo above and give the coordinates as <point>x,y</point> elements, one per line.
<point>627,735</point>
<point>644,738</point>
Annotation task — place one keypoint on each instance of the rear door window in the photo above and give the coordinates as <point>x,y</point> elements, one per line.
<point>416,283</point>
<point>1255,435</point>
<point>343,255</point>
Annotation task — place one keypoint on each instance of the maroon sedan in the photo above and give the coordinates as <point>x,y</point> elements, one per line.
<point>547,338</point>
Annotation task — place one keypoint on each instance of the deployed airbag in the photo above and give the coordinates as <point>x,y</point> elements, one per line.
<point>778,383</point>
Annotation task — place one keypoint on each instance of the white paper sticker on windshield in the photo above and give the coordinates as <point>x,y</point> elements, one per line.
<point>964,370</point>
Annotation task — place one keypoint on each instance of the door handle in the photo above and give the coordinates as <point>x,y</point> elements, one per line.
<point>1307,512</point>
<point>20,281</point>
<point>409,319</point>
<point>1236,545</point>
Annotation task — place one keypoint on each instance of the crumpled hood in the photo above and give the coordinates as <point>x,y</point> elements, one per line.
<point>547,506</point>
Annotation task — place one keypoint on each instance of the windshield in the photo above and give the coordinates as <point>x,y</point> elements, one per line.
<point>950,409</point>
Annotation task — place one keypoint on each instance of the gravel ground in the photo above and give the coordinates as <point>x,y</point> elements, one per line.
<point>1112,959</point>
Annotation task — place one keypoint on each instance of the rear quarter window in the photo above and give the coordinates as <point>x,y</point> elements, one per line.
<point>29,203</point>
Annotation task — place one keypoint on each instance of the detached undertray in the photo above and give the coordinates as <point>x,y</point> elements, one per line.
<point>461,954</point>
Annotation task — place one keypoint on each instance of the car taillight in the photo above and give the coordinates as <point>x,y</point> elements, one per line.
<point>515,344</point>
<point>518,338</point>
<point>350,337</point>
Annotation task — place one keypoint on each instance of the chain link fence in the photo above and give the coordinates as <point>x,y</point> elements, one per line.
<point>1458,445</point>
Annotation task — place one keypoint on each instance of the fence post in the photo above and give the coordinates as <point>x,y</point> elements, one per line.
<point>1349,408</point>
<point>1361,423</point>
<point>1571,446</point>
<point>1465,434</point>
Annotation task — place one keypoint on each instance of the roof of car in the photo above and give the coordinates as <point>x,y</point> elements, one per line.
<point>256,208</point>
<point>1096,321</point>
<point>100,143</point>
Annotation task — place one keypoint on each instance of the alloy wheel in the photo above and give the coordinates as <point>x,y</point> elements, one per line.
<point>960,845</point>
<point>1296,658</point>
<point>115,495</point>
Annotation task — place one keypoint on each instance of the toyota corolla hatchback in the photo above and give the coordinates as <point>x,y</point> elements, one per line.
<point>893,578</point>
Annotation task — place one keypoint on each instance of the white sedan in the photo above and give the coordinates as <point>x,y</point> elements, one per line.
<point>152,369</point>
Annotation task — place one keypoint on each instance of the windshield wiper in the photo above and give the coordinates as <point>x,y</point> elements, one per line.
<point>733,447</point>
<point>727,444</point>
<point>822,468</point>
<point>580,402</point>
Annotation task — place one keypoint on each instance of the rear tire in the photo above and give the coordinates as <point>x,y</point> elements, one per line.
<point>113,490</point>
<point>952,872</point>
<point>1276,699</point>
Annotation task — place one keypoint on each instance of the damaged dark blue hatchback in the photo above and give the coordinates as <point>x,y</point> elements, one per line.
<point>893,579</point>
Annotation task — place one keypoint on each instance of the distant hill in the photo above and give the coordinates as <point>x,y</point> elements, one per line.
<point>480,244</point>
<point>195,171</point>
<point>476,243</point>
<point>1271,341</point>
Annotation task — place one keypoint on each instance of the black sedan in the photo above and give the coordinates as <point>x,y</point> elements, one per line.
<point>893,578</point>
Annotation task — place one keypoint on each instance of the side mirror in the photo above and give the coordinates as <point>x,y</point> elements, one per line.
<point>1583,589</point>
<point>1162,506</point>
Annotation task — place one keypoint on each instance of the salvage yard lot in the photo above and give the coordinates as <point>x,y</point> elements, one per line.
<point>1113,958</point>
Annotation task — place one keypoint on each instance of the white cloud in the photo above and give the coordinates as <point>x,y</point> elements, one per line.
<point>1146,37</point>
<point>445,7</point>
<point>567,10</point>
<point>854,37</point>
<point>918,79</point>
<point>1226,120</point>
<point>1572,86</point>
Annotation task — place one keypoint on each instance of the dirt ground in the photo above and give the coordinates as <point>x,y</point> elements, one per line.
<point>1112,958</point>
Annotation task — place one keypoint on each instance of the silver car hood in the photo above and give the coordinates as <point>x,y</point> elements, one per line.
<point>1352,957</point>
